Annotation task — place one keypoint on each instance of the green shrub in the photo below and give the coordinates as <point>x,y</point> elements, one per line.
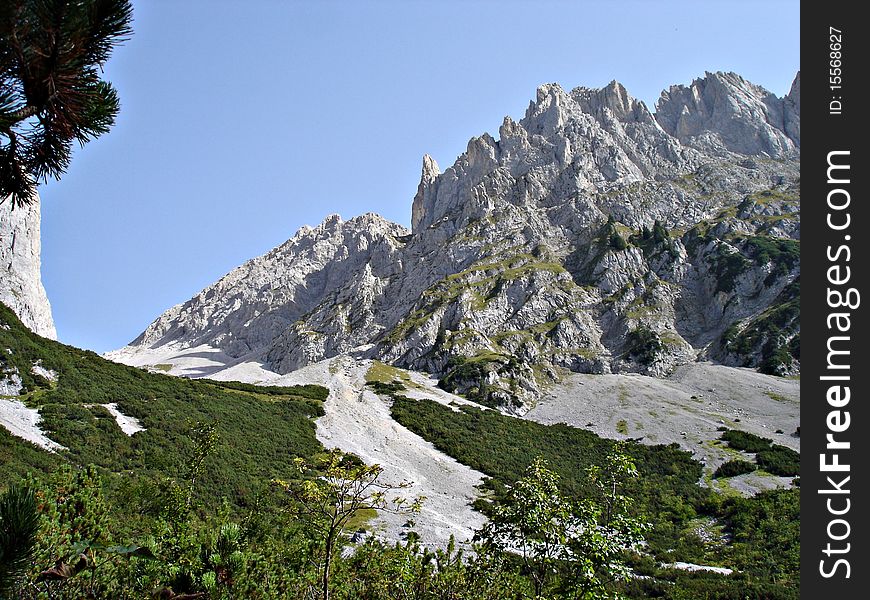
<point>745,441</point>
<point>312,392</point>
<point>779,460</point>
<point>712,586</point>
<point>644,345</point>
<point>617,242</point>
<point>261,428</point>
<point>728,266</point>
<point>470,376</point>
<point>766,533</point>
<point>734,467</point>
<point>386,389</point>
<point>659,233</point>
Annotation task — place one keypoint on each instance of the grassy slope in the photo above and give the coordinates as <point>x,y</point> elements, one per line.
<point>666,492</point>
<point>502,447</point>
<point>260,431</point>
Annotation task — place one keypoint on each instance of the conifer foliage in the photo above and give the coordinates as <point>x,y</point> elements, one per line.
<point>51,93</point>
<point>19,522</point>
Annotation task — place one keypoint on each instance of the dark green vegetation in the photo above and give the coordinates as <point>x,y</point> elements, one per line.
<point>666,494</point>
<point>643,344</point>
<point>773,334</point>
<point>261,433</point>
<point>51,94</point>
<point>766,533</point>
<point>734,467</point>
<point>773,458</point>
<point>611,237</point>
<point>754,251</point>
<point>745,441</point>
<point>469,376</point>
<point>616,236</point>
<point>381,387</point>
<point>654,240</point>
<point>19,527</point>
<point>193,504</point>
<point>502,447</point>
<point>560,541</point>
<point>780,460</point>
<point>313,392</point>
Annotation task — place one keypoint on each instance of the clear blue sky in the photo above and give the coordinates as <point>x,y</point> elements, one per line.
<point>243,120</point>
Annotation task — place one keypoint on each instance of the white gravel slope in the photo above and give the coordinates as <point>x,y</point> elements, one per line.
<point>687,408</point>
<point>129,425</point>
<point>23,422</point>
<point>198,361</point>
<point>359,421</point>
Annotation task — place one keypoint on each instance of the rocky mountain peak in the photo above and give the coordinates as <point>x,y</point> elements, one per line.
<point>794,94</point>
<point>549,111</point>
<point>612,102</point>
<point>724,112</point>
<point>20,262</point>
<point>427,178</point>
<point>430,170</point>
<point>252,304</point>
<point>592,236</point>
<point>792,111</point>
<point>590,139</point>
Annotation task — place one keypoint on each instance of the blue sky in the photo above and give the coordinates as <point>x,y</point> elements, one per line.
<point>242,121</point>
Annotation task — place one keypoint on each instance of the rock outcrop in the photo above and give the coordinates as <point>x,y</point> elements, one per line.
<point>723,110</point>
<point>21,282</point>
<point>593,236</point>
<point>258,302</point>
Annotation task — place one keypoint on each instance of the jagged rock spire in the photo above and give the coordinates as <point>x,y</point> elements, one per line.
<point>792,111</point>
<point>427,178</point>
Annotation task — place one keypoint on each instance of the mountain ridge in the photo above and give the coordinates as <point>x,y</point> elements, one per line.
<point>586,238</point>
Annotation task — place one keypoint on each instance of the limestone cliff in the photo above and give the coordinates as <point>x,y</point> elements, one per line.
<point>21,282</point>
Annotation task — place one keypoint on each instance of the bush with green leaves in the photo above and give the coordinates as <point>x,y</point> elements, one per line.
<point>733,468</point>
<point>745,441</point>
<point>334,490</point>
<point>779,460</point>
<point>572,547</point>
<point>643,344</point>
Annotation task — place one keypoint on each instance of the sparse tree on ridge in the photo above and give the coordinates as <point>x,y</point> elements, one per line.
<point>51,93</point>
<point>341,487</point>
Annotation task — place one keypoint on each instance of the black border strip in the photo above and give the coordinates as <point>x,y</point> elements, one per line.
<point>835,229</point>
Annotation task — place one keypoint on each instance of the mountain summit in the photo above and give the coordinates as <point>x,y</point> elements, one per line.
<point>593,236</point>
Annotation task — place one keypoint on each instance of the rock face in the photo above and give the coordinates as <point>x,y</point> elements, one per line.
<point>338,263</point>
<point>593,236</point>
<point>723,110</point>
<point>21,282</point>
